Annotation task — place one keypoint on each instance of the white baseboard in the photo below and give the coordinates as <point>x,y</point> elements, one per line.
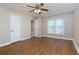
<point>76,46</point>
<point>25,38</point>
<point>14,41</point>
<point>38,36</point>
<point>57,37</point>
<point>5,44</point>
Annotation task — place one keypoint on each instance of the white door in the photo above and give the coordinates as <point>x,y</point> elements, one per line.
<point>15,28</point>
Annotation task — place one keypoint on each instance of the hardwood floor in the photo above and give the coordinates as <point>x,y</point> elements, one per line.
<point>40,46</point>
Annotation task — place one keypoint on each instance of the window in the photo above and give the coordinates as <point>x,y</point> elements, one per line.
<point>51,26</point>
<point>56,26</point>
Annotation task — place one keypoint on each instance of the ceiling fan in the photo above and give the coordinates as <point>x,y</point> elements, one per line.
<point>37,8</point>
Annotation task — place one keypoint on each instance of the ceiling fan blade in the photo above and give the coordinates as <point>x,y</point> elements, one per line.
<point>32,10</point>
<point>30,6</point>
<point>44,9</point>
<point>41,4</point>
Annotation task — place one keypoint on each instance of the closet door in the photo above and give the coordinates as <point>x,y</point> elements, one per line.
<point>15,28</point>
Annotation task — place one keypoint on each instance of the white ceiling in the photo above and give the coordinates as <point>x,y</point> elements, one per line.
<point>54,8</point>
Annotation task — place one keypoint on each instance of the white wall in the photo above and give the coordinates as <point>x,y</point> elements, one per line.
<point>76,27</point>
<point>67,17</point>
<point>5,24</point>
<point>26,26</point>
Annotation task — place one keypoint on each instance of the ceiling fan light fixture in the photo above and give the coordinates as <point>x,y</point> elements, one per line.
<point>37,10</point>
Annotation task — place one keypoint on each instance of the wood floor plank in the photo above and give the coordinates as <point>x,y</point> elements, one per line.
<point>40,46</point>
